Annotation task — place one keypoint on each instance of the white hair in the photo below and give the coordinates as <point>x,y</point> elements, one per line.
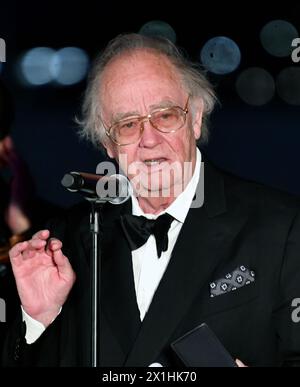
<point>194,81</point>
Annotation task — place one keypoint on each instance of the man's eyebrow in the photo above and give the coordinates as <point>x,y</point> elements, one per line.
<point>121,116</point>
<point>162,104</point>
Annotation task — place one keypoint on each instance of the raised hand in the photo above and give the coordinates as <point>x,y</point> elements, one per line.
<point>43,274</point>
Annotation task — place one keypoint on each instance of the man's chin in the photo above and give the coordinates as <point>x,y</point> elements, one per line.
<point>163,180</point>
<point>158,190</point>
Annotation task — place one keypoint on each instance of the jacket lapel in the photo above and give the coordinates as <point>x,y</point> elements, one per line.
<point>205,240</point>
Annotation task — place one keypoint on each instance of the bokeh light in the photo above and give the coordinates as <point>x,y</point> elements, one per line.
<point>288,85</point>
<point>35,66</point>
<point>277,36</point>
<point>220,55</point>
<point>255,86</point>
<point>69,65</point>
<point>158,28</point>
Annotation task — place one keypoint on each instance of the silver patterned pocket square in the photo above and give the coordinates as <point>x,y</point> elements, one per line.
<point>238,278</point>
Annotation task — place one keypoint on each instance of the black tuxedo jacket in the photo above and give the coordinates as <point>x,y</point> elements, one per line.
<point>240,223</point>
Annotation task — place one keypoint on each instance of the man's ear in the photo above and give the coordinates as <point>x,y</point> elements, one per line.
<point>110,149</point>
<point>197,117</point>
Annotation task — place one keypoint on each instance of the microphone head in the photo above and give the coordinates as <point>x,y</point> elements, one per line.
<point>116,188</point>
<point>72,181</point>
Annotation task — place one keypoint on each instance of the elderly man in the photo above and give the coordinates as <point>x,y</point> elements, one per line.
<point>232,263</point>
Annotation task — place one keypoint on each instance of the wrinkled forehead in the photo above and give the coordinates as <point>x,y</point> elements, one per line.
<point>137,75</point>
<point>139,60</point>
<point>138,66</point>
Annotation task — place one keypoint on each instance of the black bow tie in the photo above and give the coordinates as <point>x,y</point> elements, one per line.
<point>137,230</point>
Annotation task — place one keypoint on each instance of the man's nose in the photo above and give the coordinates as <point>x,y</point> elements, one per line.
<point>150,136</point>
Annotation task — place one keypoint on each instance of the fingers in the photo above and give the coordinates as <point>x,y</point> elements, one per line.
<point>53,245</point>
<point>63,264</point>
<point>43,235</point>
<point>16,253</point>
<point>38,244</point>
<point>34,246</point>
<point>39,241</point>
<point>18,249</point>
<point>25,249</point>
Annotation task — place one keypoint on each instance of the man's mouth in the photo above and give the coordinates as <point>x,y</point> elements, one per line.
<point>156,161</point>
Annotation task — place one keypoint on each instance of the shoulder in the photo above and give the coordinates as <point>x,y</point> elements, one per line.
<point>254,194</point>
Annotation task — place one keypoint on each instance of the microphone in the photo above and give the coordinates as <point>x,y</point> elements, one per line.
<point>114,189</point>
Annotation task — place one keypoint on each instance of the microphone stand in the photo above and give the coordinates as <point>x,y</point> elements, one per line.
<point>95,220</point>
<point>74,182</point>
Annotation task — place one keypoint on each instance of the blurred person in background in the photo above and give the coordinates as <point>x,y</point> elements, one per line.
<point>20,211</point>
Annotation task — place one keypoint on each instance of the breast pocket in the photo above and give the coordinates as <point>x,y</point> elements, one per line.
<point>231,300</point>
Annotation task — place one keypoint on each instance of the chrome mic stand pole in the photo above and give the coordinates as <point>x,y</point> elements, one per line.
<point>85,183</point>
<point>95,281</point>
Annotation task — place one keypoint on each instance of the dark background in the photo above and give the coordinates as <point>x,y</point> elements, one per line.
<point>258,143</point>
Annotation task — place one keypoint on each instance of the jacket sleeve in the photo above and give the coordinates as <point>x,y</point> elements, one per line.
<point>287,317</point>
<point>44,352</point>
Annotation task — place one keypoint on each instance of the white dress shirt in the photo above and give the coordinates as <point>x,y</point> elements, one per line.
<point>148,269</point>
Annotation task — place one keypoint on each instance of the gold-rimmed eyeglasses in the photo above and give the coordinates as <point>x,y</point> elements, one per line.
<point>166,120</point>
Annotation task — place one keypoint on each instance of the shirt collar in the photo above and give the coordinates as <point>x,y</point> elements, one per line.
<point>181,205</point>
